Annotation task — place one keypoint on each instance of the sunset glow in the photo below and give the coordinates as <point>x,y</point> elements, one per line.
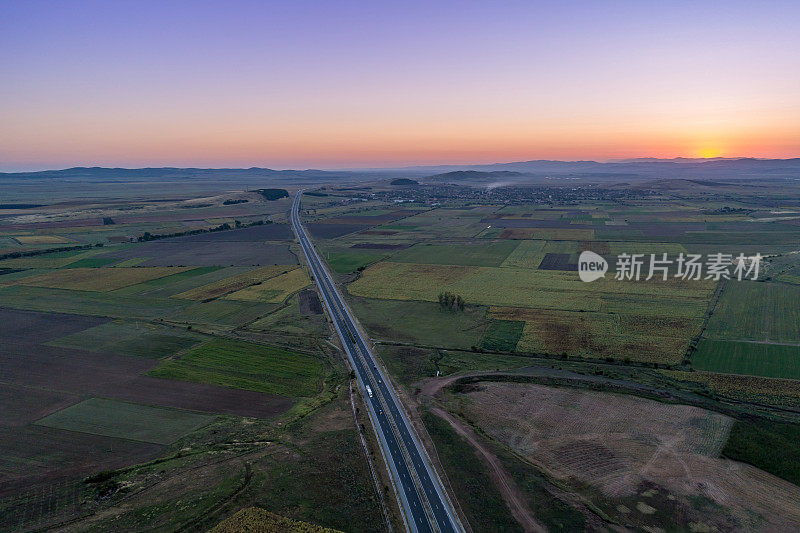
<point>340,84</point>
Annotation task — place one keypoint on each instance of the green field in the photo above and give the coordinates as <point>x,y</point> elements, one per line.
<point>226,313</point>
<point>759,311</point>
<point>527,254</point>
<point>502,335</point>
<point>420,322</point>
<point>130,338</point>
<point>344,262</point>
<point>289,321</point>
<point>771,446</point>
<point>125,420</point>
<point>91,262</point>
<point>481,254</point>
<point>173,283</point>
<point>754,359</point>
<point>88,303</point>
<point>243,365</point>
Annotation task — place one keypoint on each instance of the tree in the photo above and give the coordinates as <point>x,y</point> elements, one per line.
<point>451,302</point>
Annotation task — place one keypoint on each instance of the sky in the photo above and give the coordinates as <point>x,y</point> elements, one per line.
<point>336,84</point>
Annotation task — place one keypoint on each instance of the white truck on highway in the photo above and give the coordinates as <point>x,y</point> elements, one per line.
<point>369,391</point>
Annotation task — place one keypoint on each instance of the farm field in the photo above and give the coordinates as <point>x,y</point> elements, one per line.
<point>757,311</point>
<point>502,335</point>
<point>98,279</point>
<point>130,338</point>
<point>613,446</point>
<point>112,418</point>
<point>527,254</point>
<point>291,320</point>
<point>255,519</point>
<point>226,286</point>
<point>420,322</point>
<point>169,285</point>
<point>343,262</point>
<point>51,260</point>
<point>750,358</point>
<point>274,289</point>
<point>646,321</point>
<point>88,303</point>
<point>221,314</point>
<point>169,252</point>
<point>489,254</point>
<point>230,335</point>
<point>244,365</point>
<point>41,239</point>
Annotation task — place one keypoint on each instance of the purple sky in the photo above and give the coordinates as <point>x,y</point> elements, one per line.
<point>337,84</point>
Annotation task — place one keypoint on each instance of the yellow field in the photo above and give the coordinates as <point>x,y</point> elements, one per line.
<point>555,234</point>
<point>518,287</point>
<point>645,320</point>
<point>751,388</point>
<point>225,286</point>
<point>662,339</point>
<point>256,520</point>
<point>98,279</point>
<point>273,290</point>
<point>41,239</point>
<point>527,255</point>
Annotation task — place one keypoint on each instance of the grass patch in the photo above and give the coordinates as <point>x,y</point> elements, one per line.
<point>771,446</point>
<point>243,365</point>
<point>755,359</point>
<point>112,418</point>
<point>345,262</point>
<point>479,498</point>
<point>502,335</point>
<point>458,361</point>
<point>420,322</point>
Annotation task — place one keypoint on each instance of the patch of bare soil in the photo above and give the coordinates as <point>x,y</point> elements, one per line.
<point>309,303</point>
<point>645,463</point>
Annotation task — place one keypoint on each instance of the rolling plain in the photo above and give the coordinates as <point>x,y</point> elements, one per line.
<point>185,339</point>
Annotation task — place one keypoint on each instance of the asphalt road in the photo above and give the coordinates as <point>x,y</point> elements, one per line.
<point>423,499</point>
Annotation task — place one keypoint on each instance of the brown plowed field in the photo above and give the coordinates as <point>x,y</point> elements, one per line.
<point>642,461</point>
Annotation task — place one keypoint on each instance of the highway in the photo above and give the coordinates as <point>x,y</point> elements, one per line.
<point>423,500</point>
